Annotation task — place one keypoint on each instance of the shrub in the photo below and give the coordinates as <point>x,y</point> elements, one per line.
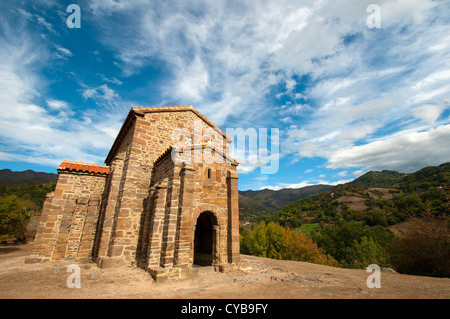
<point>363,253</point>
<point>13,217</point>
<point>299,247</point>
<point>423,248</point>
<point>376,216</point>
<point>354,245</point>
<point>274,241</point>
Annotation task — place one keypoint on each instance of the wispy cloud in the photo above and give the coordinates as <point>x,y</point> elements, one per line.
<point>403,151</point>
<point>47,132</point>
<point>63,52</point>
<point>339,91</point>
<point>102,91</point>
<point>231,62</point>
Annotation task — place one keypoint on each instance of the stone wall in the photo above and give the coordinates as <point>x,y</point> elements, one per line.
<point>146,134</point>
<point>69,217</point>
<point>180,194</point>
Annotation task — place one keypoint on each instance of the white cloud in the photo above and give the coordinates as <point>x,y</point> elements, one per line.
<point>57,104</point>
<point>358,173</point>
<point>342,181</point>
<point>361,86</point>
<point>255,46</point>
<point>405,11</point>
<point>63,51</point>
<point>212,60</point>
<point>433,79</point>
<point>191,82</point>
<point>428,113</point>
<point>43,134</point>
<point>357,86</point>
<point>112,80</point>
<point>370,89</point>
<point>100,92</point>
<point>304,184</point>
<point>89,93</point>
<point>44,23</point>
<point>25,14</point>
<point>107,93</point>
<point>405,151</point>
<point>290,84</point>
<point>286,185</point>
<point>342,174</point>
<point>250,159</point>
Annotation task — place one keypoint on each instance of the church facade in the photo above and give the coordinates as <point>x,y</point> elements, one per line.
<point>167,199</point>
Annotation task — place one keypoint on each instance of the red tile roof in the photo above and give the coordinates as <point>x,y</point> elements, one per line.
<point>83,167</point>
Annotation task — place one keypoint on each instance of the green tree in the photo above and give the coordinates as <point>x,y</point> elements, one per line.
<point>258,241</point>
<point>410,204</point>
<point>301,248</point>
<point>363,253</point>
<point>376,216</point>
<point>244,238</point>
<point>353,244</point>
<point>13,217</point>
<point>266,241</point>
<point>276,242</point>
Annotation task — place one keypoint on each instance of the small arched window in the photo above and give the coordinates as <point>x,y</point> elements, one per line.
<point>209,173</point>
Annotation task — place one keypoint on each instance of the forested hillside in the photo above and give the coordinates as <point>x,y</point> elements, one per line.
<point>254,205</point>
<point>8,177</point>
<point>366,200</point>
<point>21,204</point>
<point>351,224</point>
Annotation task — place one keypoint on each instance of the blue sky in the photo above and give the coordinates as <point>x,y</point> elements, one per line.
<point>346,98</point>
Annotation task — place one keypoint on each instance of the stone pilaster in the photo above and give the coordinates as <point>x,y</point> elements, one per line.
<point>170,218</point>
<point>156,226</point>
<point>85,249</point>
<point>233,217</point>
<point>107,210</point>
<point>184,223</point>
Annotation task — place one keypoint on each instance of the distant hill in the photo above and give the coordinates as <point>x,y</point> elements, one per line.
<point>384,178</point>
<point>255,204</point>
<point>431,176</point>
<point>8,177</point>
<point>376,198</point>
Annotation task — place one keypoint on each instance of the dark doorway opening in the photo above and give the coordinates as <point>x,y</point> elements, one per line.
<point>204,240</point>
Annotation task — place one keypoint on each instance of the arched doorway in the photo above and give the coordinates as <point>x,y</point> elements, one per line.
<point>204,239</point>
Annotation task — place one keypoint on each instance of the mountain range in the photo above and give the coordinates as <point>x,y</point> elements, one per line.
<point>376,198</point>
<point>356,196</point>
<point>254,204</point>
<point>8,177</point>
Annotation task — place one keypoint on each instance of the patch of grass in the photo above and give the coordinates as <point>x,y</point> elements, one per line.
<point>308,228</point>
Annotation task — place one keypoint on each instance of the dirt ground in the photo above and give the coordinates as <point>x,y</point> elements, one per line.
<point>259,278</point>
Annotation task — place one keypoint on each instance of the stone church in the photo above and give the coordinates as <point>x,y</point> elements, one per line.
<point>166,200</point>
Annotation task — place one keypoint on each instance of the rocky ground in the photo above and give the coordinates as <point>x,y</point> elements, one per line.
<point>259,278</point>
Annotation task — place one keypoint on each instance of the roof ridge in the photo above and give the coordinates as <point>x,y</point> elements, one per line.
<point>193,147</point>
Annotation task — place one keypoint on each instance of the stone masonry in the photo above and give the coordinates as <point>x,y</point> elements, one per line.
<point>166,199</point>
